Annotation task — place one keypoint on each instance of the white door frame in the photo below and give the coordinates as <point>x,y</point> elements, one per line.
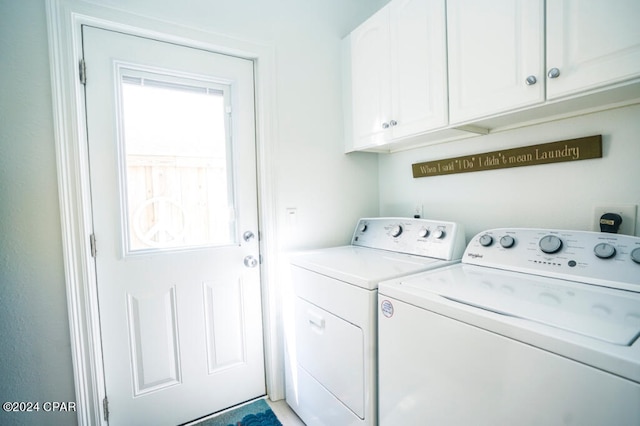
<point>64,19</point>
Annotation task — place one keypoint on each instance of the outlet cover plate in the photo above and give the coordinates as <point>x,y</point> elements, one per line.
<point>627,211</point>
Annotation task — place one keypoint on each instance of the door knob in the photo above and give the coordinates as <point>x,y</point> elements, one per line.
<point>248,236</point>
<point>250,262</point>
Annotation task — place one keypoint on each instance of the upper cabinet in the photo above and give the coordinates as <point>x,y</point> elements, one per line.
<point>591,44</point>
<point>398,73</point>
<point>496,56</point>
<point>502,56</point>
<point>427,71</point>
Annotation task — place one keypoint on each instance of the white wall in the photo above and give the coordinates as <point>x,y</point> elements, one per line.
<point>330,190</point>
<point>560,195</point>
<point>35,358</point>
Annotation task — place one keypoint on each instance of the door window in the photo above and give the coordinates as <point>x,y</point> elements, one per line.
<point>176,173</point>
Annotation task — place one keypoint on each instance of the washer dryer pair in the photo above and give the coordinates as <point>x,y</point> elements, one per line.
<point>331,345</point>
<point>534,327</point>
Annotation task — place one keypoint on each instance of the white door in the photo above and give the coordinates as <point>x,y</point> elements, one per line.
<point>173,185</point>
<point>496,56</point>
<point>591,44</point>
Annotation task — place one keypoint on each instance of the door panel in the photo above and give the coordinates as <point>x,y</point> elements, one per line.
<point>224,323</point>
<point>154,341</point>
<point>173,181</point>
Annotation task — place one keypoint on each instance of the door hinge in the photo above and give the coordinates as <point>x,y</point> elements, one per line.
<point>92,242</point>
<point>105,408</point>
<point>82,69</point>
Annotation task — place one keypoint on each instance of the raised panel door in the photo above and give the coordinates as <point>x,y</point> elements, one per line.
<point>592,44</point>
<point>418,66</point>
<point>370,80</point>
<point>493,48</point>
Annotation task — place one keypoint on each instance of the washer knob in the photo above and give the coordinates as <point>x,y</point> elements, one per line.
<point>550,244</point>
<point>363,227</point>
<point>507,241</point>
<point>396,231</point>
<point>604,251</point>
<point>635,255</point>
<point>439,234</point>
<point>424,233</point>
<point>486,240</point>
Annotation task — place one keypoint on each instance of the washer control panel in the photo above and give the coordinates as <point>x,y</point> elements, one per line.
<point>610,260</point>
<point>419,237</point>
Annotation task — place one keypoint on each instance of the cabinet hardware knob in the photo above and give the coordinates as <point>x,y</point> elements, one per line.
<point>531,80</point>
<point>393,123</point>
<point>553,73</point>
<point>385,125</point>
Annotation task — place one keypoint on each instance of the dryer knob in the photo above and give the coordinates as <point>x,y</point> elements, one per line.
<point>424,233</point>
<point>486,240</point>
<point>396,231</point>
<point>439,234</point>
<point>550,244</point>
<point>635,255</point>
<point>507,241</point>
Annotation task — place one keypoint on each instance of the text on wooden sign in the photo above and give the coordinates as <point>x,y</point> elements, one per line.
<point>553,152</point>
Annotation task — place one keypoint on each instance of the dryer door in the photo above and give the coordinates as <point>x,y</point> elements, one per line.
<point>323,338</point>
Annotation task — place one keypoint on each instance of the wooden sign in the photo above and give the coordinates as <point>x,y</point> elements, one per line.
<point>553,152</point>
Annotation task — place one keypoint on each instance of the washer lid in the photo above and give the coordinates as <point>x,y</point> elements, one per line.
<point>606,314</point>
<point>363,266</point>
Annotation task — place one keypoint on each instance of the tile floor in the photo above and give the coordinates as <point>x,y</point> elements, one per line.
<point>284,413</point>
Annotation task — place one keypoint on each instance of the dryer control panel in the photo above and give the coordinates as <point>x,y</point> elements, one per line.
<point>420,237</point>
<point>609,260</point>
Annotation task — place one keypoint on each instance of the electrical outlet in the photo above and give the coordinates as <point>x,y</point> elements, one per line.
<point>628,213</point>
<point>418,210</point>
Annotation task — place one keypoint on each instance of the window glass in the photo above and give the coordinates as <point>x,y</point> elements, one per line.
<point>177,163</point>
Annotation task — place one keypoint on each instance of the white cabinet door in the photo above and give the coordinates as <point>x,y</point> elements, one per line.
<point>418,66</point>
<point>494,47</point>
<point>370,80</point>
<point>591,44</point>
<point>398,72</point>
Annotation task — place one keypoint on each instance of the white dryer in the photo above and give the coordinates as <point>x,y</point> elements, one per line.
<point>331,356</point>
<point>534,327</point>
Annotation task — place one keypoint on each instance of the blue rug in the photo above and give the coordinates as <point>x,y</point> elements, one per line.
<point>256,413</point>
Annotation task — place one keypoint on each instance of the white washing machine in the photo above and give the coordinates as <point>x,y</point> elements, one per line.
<point>331,359</point>
<point>534,327</point>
